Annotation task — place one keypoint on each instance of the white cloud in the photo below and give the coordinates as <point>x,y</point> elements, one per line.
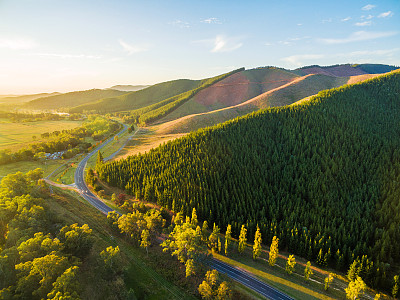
<point>132,49</point>
<point>300,24</point>
<point>365,23</point>
<point>386,14</point>
<point>360,36</point>
<point>180,24</point>
<point>368,7</point>
<point>17,43</point>
<point>298,60</point>
<point>211,21</point>
<point>222,44</point>
<point>327,20</point>
<point>291,41</point>
<point>346,19</point>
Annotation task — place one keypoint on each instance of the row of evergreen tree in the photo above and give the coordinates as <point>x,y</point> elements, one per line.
<point>323,176</point>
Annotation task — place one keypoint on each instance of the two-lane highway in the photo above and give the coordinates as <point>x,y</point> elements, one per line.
<point>80,178</point>
<point>251,282</point>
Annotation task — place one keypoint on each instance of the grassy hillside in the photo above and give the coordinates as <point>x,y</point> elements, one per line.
<point>233,90</point>
<point>70,99</point>
<point>158,110</point>
<point>284,95</point>
<point>323,176</point>
<point>139,99</point>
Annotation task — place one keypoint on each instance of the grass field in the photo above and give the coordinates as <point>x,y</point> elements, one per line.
<point>16,135</point>
<point>25,166</point>
<point>144,140</point>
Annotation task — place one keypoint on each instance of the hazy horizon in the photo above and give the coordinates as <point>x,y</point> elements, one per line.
<point>63,46</point>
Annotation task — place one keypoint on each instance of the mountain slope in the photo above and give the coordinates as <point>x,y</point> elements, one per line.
<point>233,90</point>
<point>139,99</point>
<point>324,176</point>
<point>286,94</point>
<point>70,99</point>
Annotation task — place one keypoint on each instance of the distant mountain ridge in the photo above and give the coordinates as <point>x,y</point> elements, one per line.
<point>345,69</point>
<point>16,99</point>
<point>128,87</point>
<point>71,99</point>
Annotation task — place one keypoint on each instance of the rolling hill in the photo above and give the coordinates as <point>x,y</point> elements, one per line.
<point>128,87</point>
<point>345,70</point>
<point>139,99</point>
<point>322,175</point>
<point>64,101</point>
<point>289,93</point>
<point>233,90</point>
<point>24,98</point>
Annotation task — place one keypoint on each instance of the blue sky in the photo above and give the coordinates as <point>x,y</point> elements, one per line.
<point>65,45</point>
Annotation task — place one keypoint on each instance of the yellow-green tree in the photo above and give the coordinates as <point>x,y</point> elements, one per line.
<point>257,244</point>
<point>194,217</point>
<point>328,280</point>
<point>145,242</point>
<point>205,290</point>
<point>66,286</point>
<point>307,271</point>
<point>395,289</point>
<point>190,267</point>
<point>224,292</point>
<point>213,238</point>
<point>290,264</point>
<point>273,251</point>
<point>209,288</point>
<point>228,239</point>
<point>242,239</point>
<point>355,288</point>
<point>184,242</point>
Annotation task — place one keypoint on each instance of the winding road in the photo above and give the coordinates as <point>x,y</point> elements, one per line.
<point>236,274</point>
<point>80,178</point>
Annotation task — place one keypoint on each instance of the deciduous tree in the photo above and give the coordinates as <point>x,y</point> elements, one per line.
<point>257,244</point>
<point>242,239</point>
<point>273,251</point>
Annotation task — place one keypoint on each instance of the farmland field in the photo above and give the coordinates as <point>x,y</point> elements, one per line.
<point>15,135</point>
